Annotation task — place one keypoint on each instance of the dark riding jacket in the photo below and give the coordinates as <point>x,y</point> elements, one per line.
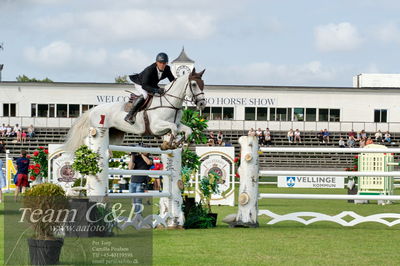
<point>148,78</point>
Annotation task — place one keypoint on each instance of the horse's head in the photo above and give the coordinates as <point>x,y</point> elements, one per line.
<point>196,85</point>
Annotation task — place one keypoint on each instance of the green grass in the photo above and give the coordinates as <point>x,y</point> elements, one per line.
<point>287,243</point>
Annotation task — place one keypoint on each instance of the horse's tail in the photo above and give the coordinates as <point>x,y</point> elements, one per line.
<point>77,133</point>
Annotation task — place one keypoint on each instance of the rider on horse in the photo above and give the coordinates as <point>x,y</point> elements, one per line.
<point>147,82</point>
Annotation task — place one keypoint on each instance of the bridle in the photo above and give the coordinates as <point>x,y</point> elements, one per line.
<point>192,77</point>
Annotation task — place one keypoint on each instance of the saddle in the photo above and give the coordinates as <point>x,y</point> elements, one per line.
<point>132,99</point>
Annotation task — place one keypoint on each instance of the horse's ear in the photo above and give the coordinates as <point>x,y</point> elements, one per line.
<point>202,72</point>
<point>194,71</point>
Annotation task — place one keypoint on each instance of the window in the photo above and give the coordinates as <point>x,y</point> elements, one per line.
<point>228,113</point>
<point>216,113</point>
<point>51,110</point>
<point>43,110</point>
<point>380,116</point>
<point>73,110</point>
<point>284,114</point>
<point>334,115</point>
<point>61,110</point>
<point>280,114</point>
<point>311,114</point>
<point>9,109</point>
<point>298,114</point>
<point>249,113</point>
<point>86,107</point>
<point>262,113</point>
<point>323,115</point>
<point>206,113</point>
<point>33,109</point>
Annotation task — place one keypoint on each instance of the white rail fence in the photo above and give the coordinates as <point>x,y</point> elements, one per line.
<point>249,172</point>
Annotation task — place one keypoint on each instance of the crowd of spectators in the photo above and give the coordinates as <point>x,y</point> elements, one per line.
<point>216,140</point>
<point>18,133</point>
<point>362,139</point>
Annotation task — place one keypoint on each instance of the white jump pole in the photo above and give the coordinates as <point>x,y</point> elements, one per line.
<point>325,173</point>
<point>331,150</point>
<point>248,189</point>
<point>327,196</point>
<point>140,149</point>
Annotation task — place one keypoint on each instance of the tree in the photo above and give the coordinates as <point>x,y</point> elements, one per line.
<point>121,79</point>
<point>25,78</point>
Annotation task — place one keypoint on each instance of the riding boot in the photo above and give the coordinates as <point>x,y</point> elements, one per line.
<point>130,117</point>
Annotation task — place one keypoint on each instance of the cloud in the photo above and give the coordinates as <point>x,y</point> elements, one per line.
<point>129,25</point>
<point>61,56</point>
<point>337,37</point>
<point>265,73</point>
<point>55,54</point>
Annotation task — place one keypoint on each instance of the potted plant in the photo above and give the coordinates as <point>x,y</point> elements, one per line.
<point>208,186</point>
<point>45,206</point>
<point>39,169</point>
<point>190,160</point>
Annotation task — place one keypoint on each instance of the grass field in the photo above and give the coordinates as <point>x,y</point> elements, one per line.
<point>287,243</point>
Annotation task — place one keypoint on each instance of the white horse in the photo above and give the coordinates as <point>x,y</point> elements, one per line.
<point>162,116</point>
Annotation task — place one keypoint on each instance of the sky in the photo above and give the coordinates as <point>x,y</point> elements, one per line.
<point>238,42</point>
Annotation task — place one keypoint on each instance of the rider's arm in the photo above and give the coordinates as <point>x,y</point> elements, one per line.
<point>146,81</point>
<point>169,74</point>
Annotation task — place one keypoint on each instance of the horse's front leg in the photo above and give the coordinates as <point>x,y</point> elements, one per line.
<point>185,129</point>
<point>161,126</point>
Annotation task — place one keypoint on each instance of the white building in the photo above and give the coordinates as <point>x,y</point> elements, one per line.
<point>229,107</point>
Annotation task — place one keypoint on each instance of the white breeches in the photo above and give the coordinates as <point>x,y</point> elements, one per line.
<point>141,91</point>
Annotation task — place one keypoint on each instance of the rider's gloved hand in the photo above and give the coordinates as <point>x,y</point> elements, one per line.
<point>159,91</point>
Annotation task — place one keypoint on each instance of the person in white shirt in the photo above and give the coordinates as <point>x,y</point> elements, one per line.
<point>297,136</point>
<point>378,136</point>
<point>290,135</point>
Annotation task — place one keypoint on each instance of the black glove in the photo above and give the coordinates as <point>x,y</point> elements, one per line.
<point>159,91</point>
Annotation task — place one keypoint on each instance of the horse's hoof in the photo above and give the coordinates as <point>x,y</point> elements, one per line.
<point>164,146</point>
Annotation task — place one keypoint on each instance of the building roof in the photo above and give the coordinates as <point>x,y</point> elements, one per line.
<point>183,57</point>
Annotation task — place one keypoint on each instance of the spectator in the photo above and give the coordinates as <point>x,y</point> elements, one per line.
<point>22,174</point>
<point>363,134</point>
<point>352,133</point>
<point>139,161</point>
<point>297,136</point>
<point>326,135</point>
<point>19,135</point>
<point>3,130</point>
<point>267,137</point>
<point>211,139</point>
<point>378,136</point>
<point>388,137</point>
<point>363,140</point>
<point>341,143</point>
<point>157,165</point>
<point>251,133</point>
<point>23,136</point>
<point>351,142</point>
<point>369,141</point>
<point>2,146</point>
<point>320,136</point>
<point>16,128</point>
<point>8,131</point>
<point>220,138</point>
<point>290,135</point>
<point>260,137</point>
<point>31,131</point>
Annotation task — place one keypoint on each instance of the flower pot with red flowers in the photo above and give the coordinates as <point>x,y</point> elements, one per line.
<point>39,169</point>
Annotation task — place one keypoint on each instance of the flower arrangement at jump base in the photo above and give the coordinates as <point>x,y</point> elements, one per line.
<point>40,166</point>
